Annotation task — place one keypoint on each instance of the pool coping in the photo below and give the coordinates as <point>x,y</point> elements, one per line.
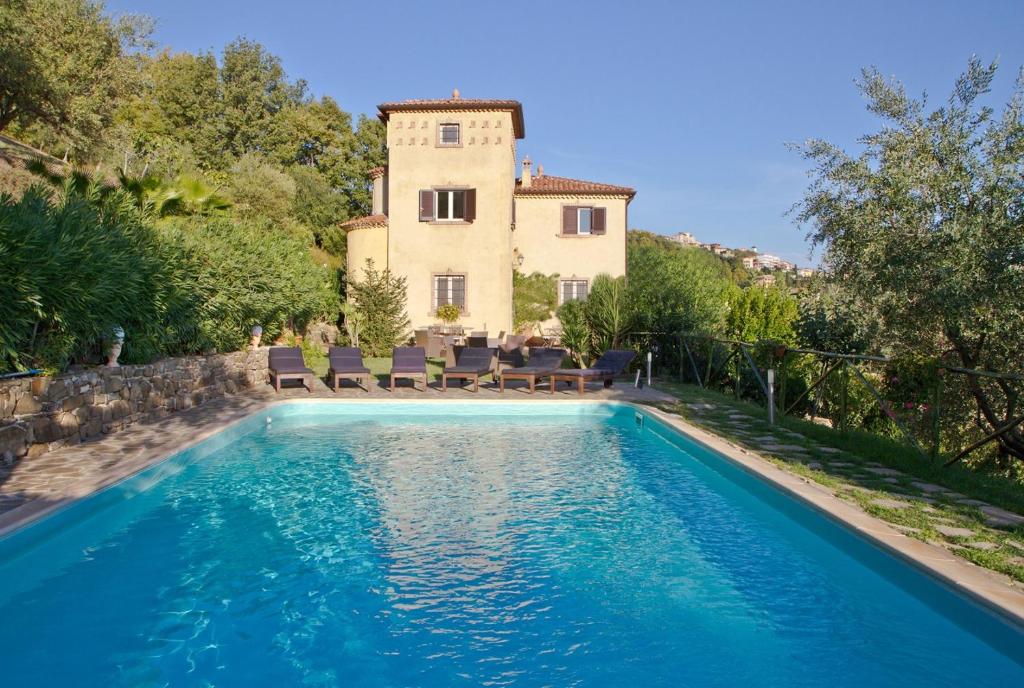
<point>989,589</point>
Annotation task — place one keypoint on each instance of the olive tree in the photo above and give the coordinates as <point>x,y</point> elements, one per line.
<point>924,228</point>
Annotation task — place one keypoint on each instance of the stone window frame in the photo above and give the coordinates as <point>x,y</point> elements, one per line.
<point>464,308</point>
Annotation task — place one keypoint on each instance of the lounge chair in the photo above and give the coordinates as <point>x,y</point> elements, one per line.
<point>477,341</point>
<point>611,363</point>
<point>347,362</point>
<point>286,363</point>
<point>410,362</point>
<point>542,362</point>
<point>472,362</point>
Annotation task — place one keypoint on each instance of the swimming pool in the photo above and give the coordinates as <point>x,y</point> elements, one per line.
<point>439,544</point>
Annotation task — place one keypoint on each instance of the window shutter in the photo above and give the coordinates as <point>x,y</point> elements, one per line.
<point>569,219</point>
<point>581,290</point>
<point>470,212</point>
<point>597,222</point>
<point>426,205</point>
<point>566,291</point>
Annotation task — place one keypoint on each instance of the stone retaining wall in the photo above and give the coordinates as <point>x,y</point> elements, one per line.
<point>40,414</point>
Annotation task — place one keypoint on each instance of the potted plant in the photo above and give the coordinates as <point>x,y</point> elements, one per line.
<point>448,313</point>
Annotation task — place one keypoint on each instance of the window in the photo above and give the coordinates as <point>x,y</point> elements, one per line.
<point>449,135</point>
<point>573,290</point>
<point>583,220</point>
<point>447,205</point>
<point>451,205</point>
<point>450,289</point>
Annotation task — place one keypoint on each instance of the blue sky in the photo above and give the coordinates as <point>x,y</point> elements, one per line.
<point>690,103</point>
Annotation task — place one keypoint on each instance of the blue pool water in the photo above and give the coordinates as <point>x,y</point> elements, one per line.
<point>468,545</point>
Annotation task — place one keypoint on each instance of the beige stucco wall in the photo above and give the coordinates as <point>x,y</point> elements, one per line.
<point>538,238</point>
<point>482,249</point>
<point>363,243</point>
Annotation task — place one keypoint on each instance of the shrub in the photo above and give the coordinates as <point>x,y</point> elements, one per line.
<point>575,331</point>
<point>534,299</point>
<point>608,313</point>
<point>75,267</point>
<point>380,300</point>
<point>759,313</point>
<point>675,289</point>
<point>239,274</point>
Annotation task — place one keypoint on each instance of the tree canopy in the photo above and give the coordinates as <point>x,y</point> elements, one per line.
<point>924,229</point>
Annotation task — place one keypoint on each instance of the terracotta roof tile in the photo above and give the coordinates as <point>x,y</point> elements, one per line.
<point>549,185</point>
<point>456,104</point>
<point>365,221</point>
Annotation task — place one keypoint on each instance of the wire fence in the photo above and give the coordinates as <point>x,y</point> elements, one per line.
<point>942,410</point>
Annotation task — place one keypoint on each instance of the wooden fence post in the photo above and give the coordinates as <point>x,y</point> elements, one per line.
<point>844,393</point>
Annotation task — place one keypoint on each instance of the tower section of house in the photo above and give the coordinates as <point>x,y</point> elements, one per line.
<point>571,228</point>
<point>451,218</point>
<point>446,207</point>
<point>367,237</point>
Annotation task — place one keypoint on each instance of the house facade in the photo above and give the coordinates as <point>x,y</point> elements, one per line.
<point>450,215</point>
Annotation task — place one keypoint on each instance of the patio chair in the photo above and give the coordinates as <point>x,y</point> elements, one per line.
<point>514,342</point>
<point>613,362</point>
<point>542,362</point>
<point>286,363</point>
<point>432,343</point>
<point>476,341</point>
<point>472,362</point>
<point>409,362</point>
<point>346,362</point>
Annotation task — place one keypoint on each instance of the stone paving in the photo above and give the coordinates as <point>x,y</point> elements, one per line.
<point>36,485</point>
<point>973,529</point>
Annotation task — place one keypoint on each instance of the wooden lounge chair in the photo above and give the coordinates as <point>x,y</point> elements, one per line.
<point>410,362</point>
<point>541,362</point>
<point>611,363</point>
<point>347,362</point>
<point>286,363</point>
<point>472,362</point>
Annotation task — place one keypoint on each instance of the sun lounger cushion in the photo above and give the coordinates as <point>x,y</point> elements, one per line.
<point>541,361</point>
<point>287,360</point>
<point>473,360</point>
<point>408,359</point>
<point>346,359</point>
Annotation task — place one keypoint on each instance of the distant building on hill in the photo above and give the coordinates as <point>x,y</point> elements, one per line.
<point>764,281</point>
<point>766,261</point>
<point>685,238</point>
<point>805,272</point>
<point>718,250</point>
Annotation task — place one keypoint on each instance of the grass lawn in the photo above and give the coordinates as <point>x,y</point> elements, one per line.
<point>955,507</point>
<point>379,367</point>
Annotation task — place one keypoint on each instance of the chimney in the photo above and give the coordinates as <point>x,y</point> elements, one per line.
<point>379,180</point>
<point>527,177</point>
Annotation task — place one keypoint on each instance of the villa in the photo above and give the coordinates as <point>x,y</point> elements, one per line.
<point>451,217</point>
